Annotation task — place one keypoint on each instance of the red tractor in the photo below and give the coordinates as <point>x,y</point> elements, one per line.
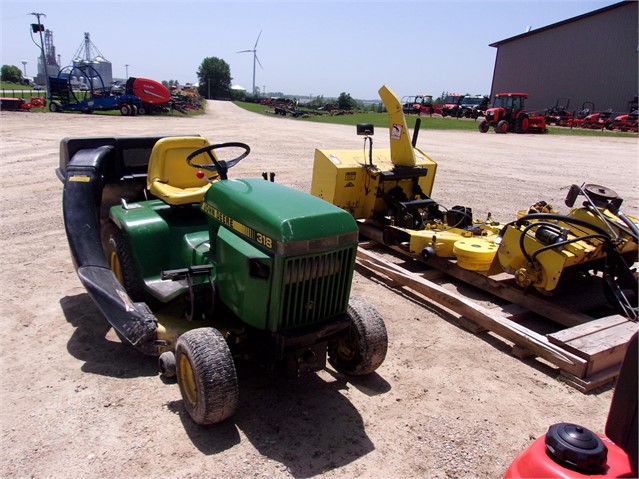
<point>508,114</point>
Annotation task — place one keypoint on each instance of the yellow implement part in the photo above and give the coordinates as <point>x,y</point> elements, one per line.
<point>402,153</point>
<point>475,254</point>
<point>343,178</point>
<point>551,262</point>
<point>440,241</point>
<point>361,184</point>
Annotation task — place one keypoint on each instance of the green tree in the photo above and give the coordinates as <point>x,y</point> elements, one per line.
<point>345,101</point>
<point>214,76</point>
<point>11,73</point>
<point>317,102</point>
<point>441,98</point>
<point>170,83</point>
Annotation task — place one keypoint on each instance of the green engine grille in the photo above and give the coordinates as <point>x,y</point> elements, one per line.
<point>316,287</point>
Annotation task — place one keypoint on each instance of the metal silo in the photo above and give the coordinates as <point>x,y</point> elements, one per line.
<point>104,68</point>
<point>89,55</point>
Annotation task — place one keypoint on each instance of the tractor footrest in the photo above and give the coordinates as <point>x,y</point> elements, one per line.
<point>178,274</point>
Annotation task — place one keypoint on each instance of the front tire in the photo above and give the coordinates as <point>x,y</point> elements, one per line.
<point>206,376</point>
<point>362,349</point>
<point>483,126</point>
<point>502,127</point>
<point>167,365</point>
<point>125,109</point>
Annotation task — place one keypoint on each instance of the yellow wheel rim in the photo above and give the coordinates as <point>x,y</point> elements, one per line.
<point>116,267</point>
<point>347,348</point>
<point>187,380</point>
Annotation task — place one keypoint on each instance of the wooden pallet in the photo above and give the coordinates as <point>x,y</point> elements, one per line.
<point>588,351</point>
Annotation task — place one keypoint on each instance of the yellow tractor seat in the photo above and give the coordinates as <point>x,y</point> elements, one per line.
<point>169,176</point>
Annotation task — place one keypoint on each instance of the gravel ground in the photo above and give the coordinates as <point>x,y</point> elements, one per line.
<point>446,403</point>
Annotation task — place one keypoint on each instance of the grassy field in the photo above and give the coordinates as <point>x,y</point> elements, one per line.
<point>5,85</point>
<point>380,120</point>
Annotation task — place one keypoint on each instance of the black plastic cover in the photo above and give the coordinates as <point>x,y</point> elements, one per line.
<point>576,447</point>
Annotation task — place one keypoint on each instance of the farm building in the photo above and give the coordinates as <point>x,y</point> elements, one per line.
<point>588,58</point>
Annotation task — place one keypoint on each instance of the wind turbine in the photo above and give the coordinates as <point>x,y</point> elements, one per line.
<point>255,59</point>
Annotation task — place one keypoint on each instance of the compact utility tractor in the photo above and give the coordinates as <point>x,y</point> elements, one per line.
<point>200,269</point>
<point>507,113</point>
<point>389,192</point>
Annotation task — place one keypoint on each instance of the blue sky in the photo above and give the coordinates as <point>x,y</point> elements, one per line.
<point>306,48</point>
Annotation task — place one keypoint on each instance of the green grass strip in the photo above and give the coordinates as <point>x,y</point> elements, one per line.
<point>380,120</point>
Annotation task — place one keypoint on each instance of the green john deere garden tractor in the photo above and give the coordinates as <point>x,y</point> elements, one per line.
<point>200,269</point>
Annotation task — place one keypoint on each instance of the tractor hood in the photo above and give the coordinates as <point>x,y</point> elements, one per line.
<point>273,214</point>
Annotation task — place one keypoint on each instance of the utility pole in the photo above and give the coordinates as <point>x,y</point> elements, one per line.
<point>38,27</point>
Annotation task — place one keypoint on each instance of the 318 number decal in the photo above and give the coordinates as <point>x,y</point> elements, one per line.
<point>264,240</point>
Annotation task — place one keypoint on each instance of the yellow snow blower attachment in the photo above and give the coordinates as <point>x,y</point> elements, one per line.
<point>387,185</point>
<point>391,189</point>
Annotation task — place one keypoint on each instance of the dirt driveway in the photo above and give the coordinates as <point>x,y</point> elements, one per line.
<point>446,403</point>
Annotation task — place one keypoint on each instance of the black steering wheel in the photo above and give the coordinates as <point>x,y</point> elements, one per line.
<point>220,167</point>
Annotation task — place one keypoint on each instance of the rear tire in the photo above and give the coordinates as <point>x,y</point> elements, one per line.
<point>125,110</point>
<point>362,349</point>
<point>55,107</point>
<point>206,376</point>
<point>523,123</point>
<point>122,264</point>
